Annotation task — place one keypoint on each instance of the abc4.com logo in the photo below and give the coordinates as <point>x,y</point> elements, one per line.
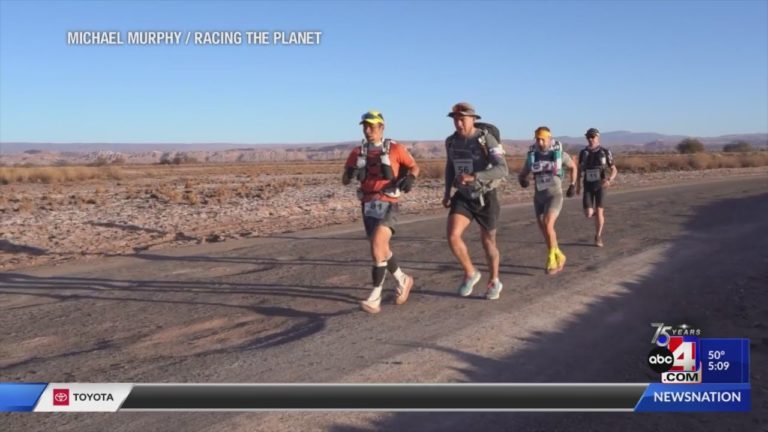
<point>676,355</point>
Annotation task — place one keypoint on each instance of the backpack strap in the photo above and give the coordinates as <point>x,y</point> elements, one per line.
<point>558,153</point>
<point>483,140</point>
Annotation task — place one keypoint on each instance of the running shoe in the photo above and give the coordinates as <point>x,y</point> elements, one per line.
<point>560,258</point>
<point>404,291</point>
<point>465,290</point>
<point>552,265</point>
<point>371,306</point>
<point>494,290</point>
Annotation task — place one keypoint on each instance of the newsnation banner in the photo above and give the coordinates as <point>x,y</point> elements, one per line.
<point>61,397</point>
<point>696,375</point>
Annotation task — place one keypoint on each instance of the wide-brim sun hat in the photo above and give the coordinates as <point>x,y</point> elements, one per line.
<point>463,109</point>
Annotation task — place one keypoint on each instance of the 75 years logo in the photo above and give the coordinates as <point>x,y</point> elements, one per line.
<point>676,354</point>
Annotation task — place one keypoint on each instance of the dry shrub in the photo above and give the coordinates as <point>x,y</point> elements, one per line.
<point>275,187</point>
<point>57,174</point>
<point>633,164</point>
<point>657,164</point>
<point>700,161</point>
<point>269,190</point>
<point>222,194</point>
<point>165,193</point>
<point>191,198</point>
<point>26,205</point>
<point>78,200</point>
<point>171,194</point>
<point>131,192</point>
<point>750,161</point>
<point>115,173</point>
<point>432,170</point>
<point>678,163</point>
<point>726,161</point>
<point>754,159</point>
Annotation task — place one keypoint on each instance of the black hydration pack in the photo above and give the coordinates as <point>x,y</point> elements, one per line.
<point>600,159</point>
<point>597,159</point>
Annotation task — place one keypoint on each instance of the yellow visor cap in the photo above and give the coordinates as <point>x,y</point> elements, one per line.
<point>372,117</point>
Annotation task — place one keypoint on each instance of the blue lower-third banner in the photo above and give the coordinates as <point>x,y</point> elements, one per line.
<point>699,397</point>
<point>616,397</point>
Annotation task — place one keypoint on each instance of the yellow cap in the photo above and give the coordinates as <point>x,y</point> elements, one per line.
<point>543,134</point>
<point>372,117</point>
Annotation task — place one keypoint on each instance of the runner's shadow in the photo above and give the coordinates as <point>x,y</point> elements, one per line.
<point>127,227</point>
<point>299,261</point>
<point>7,246</point>
<point>355,238</point>
<point>81,292</point>
<point>55,287</point>
<point>584,244</point>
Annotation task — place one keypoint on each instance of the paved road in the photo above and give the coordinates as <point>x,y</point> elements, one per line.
<point>284,309</point>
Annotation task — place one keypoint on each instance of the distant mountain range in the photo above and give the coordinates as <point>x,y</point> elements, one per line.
<point>19,153</point>
<point>651,141</point>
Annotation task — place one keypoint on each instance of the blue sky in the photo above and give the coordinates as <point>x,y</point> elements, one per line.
<point>675,67</point>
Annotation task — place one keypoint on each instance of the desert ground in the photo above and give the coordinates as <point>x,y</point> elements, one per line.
<point>57,214</point>
<point>252,273</point>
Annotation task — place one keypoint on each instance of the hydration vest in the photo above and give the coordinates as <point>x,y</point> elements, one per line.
<point>598,159</point>
<point>552,162</point>
<point>392,189</point>
<point>593,159</point>
<point>362,157</point>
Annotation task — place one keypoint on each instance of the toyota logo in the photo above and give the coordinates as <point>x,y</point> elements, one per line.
<point>61,396</point>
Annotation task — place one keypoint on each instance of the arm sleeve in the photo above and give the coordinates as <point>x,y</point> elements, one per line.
<point>609,157</point>
<point>496,158</point>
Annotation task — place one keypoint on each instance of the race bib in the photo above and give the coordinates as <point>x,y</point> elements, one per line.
<point>593,175</point>
<point>544,182</point>
<point>376,209</point>
<point>542,166</point>
<point>463,166</point>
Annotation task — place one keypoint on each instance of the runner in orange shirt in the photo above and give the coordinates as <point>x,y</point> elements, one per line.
<point>384,168</point>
